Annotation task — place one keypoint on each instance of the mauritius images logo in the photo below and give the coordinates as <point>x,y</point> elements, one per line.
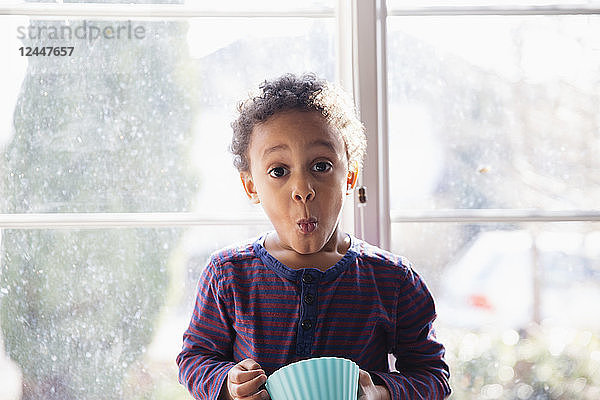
<point>83,31</point>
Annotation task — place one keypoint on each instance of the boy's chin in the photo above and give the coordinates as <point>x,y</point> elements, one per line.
<point>306,247</point>
<point>306,252</point>
<point>302,244</point>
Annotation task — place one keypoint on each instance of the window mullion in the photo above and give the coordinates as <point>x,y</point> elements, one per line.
<point>372,218</point>
<point>123,220</point>
<point>494,216</point>
<point>494,10</point>
<point>150,11</point>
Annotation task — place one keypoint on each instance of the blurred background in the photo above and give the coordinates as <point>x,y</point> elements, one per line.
<point>489,162</point>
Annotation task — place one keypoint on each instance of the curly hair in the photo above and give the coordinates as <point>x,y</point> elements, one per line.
<point>305,93</point>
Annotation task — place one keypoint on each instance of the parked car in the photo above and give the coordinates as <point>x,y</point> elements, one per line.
<point>510,278</point>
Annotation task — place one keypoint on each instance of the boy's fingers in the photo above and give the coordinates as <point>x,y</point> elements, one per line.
<point>262,395</point>
<point>244,371</point>
<point>249,364</point>
<point>250,388</point>
<point>364,384</point>
<point>364,378</point>
<point>240,376</point>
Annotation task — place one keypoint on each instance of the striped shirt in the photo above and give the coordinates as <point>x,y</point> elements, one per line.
<point>369,304</point>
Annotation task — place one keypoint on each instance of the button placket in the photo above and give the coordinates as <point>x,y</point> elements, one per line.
<point>309,298</point>
<point>308,307</point>
<point>307,278</point>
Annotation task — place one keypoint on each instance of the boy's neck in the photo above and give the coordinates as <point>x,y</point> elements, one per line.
<point>329,255</point>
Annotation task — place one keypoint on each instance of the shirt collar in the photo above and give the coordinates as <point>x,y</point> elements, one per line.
<point>295,275</point>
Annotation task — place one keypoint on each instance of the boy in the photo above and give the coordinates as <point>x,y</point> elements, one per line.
<point>307,289</point>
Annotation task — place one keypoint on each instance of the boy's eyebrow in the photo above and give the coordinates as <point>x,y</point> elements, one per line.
<point>324,143</point>
<point>274,149</point>
<point>317,143</point>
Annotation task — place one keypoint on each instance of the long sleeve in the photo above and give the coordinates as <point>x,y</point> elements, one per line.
<point>206,356</point>
<point>422,372</point>
<point>371,303</point>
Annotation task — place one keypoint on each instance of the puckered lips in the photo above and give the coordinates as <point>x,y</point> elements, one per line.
<point>307,225</point>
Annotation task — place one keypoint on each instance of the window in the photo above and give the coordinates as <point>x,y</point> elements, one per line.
<point>493,188</point>
<point>115,178</point>
<point>115,183</point>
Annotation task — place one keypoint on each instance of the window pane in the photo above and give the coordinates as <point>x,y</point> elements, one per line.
<point>494,112</point>
<point>21,2</point>
<point>234,5</point>
<point>392,4</point>
<point>126,2</point>
<point>516,303</point>
<point>100,314</point>
<point>137,117</point>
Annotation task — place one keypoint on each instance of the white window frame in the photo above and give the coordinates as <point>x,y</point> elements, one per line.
<point>146,219</point>
<point>361,69</point>
<point>373,221</point>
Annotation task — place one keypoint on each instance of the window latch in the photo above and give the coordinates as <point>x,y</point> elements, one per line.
<point>362,195</point>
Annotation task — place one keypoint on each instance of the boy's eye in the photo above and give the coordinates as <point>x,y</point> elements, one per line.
<point>322,167</point>
<point>277,172</point>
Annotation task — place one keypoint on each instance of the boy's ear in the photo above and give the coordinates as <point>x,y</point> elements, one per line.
<point>352,177</point>
<point>249,188</point>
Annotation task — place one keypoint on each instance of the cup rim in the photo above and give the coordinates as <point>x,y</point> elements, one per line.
<point>312,360</point>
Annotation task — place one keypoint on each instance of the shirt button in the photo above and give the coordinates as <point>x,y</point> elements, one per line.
<point>307,278</point>
<point>309,298</point>
<point>306,324</point>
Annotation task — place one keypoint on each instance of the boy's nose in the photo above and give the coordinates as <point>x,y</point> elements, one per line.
<point>303,194</point>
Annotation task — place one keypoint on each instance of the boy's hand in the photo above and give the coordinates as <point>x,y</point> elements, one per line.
<point>244,382</point>
<point>367,389</point>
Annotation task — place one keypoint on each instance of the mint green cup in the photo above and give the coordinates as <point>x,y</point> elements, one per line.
<point>324,378</point>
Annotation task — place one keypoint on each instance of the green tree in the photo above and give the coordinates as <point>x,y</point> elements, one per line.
<point>106,130</point>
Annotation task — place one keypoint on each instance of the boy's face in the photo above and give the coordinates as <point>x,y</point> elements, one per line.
<point>299,173</point>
